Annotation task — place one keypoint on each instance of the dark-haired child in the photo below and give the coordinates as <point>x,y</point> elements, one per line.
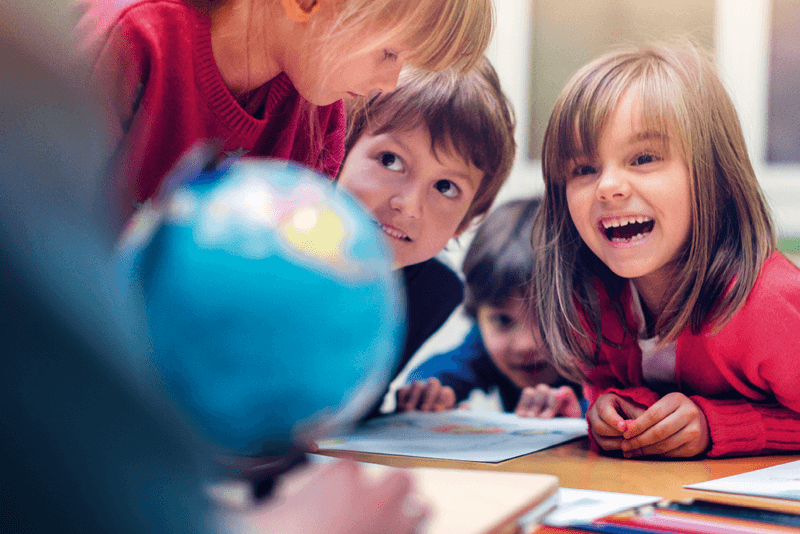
<point>503,349</point>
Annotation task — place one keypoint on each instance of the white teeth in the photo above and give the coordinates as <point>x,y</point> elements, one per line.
<point>392,232</point>
<point>616,222</point>
<point>637,237</point>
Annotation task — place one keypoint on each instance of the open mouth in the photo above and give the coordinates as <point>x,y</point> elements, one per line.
<point>393,232</point>
<point>627,229</point>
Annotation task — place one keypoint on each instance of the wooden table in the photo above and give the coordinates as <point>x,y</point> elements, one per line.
<point>579,467</point>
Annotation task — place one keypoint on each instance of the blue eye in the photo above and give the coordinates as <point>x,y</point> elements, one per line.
<point>447,188</point>
<point>391,161</point>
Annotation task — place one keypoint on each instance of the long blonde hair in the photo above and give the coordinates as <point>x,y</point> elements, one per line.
<point>441,34</point>
<point>732,233</point>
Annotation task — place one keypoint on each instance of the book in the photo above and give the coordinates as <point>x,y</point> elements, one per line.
<point>458,435</point>
<point>480,502</point>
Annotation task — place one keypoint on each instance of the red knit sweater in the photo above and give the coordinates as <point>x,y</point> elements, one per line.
<point>155,70</point>
<point>745,378</point>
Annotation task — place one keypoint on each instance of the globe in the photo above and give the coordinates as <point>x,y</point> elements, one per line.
<point>271,302</point>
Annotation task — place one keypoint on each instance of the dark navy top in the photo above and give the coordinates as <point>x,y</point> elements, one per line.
<point>469,367</point>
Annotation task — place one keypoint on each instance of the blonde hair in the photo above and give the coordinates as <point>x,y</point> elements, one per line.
<point>441,34</point>
<point>465,113</point>
<point>680,94</point>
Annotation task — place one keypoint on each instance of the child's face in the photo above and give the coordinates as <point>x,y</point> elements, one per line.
<point>348,75</point>
<point>514,344</point>
<point>632,204</point>
<point>417,197</point>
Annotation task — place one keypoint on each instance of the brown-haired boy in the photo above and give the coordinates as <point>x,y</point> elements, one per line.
<point>428,160</point>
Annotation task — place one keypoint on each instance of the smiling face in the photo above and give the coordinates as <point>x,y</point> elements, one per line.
<point>514,344</point>
<point>417,196</point>
<point>631,203</point>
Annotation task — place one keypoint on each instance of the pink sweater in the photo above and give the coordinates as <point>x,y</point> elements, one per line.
<point>154,67</point>
<point>745,378</point>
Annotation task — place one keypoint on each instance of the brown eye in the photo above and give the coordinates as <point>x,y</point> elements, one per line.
<point>502,321</point>
<point>447,188</point>
<point>584,170</point>
<point>391,161</point>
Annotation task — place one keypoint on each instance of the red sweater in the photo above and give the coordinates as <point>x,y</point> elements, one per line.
<point>745,378</point>
<point>155,70</point>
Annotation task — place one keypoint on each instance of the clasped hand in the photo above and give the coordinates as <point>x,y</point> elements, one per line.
<point>673,427</point>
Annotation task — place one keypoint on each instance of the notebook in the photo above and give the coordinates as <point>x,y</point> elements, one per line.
<point>480,502</point>
<point>461,501</point>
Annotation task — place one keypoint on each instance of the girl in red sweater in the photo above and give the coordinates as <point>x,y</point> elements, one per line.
<point>658,279</point>
<point>257,77</point>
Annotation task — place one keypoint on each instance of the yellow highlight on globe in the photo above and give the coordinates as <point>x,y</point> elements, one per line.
<point>317,231</point>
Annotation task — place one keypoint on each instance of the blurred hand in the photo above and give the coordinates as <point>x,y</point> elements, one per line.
<point>545,402</point>
<point>608,419</point>
<point>336,499</point>
<point>672,427</point>
<point>428,396</point>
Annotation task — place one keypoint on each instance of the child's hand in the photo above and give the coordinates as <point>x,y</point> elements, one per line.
<point>673,427</point>
<point>428,396</point>
<point>608,420</point>
<point>546,402</point>
<point>336,499</point>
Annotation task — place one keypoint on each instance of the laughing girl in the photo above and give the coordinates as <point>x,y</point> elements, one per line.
<point>657,274</point>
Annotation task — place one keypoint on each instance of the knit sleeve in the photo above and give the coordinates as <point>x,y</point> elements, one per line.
<point>742,428</point>
<point>455,369</point>
<point>116,51</point>
<point>333,151</point>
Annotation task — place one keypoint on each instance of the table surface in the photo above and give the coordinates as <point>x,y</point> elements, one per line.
<point>579,467</point>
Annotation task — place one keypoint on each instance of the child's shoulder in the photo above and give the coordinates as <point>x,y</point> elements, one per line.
<point>99,18</point>
<point>105,14</point>
<point>779,279</point>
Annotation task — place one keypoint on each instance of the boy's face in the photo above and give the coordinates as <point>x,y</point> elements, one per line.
<point>417,197</point>
<point>514,344</point>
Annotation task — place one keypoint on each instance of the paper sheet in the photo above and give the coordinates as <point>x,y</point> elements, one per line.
<point>779,481</point>
<point>579,506</point>
<point>458,435</point>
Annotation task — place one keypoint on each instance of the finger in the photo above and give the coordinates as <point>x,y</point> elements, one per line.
<point>525,402</point>
<point>651,417</point>
<point>414,394</point>
<point>600,427</point>
<point>568,405</point>
<point>551,405</point>
<point>658,448</point>
<point>687,450</point>
<point>446,400</point>
<point>402,397</point>
<point>563,402</point>
<point>658,439</point>
<point>612,415</point>
<point>430,395</point>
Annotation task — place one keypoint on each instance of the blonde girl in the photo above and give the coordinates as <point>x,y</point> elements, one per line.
<point>657,276</point>
<point>256,77</point>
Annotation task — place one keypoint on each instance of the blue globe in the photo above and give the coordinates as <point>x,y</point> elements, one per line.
<point>272,304</point>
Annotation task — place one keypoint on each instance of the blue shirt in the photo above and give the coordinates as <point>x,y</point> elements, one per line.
<point>469,367</point>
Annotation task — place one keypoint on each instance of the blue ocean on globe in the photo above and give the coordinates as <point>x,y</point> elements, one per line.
<point>272,305</point>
